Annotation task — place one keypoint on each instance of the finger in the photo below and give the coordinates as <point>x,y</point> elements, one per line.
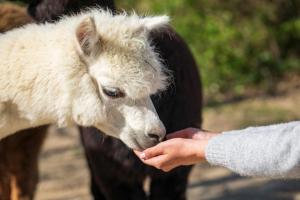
<point>153,151</point>
<point>179,134</point>
<point>168,168</point>
<point>158,162</point>
<point>172,163</point>
<point>139,154</point>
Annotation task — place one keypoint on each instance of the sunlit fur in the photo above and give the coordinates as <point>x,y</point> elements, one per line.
<point>45,78</point>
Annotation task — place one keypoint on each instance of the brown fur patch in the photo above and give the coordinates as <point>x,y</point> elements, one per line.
<point>19,163</point>
<point>12,16</point>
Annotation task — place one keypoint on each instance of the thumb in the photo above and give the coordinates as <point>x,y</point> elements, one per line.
<point>185,133</point>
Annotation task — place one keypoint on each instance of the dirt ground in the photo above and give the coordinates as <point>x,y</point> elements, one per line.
<point>64,174</point>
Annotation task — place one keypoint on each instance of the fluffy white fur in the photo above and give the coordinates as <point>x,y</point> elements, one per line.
<point>58,73</point>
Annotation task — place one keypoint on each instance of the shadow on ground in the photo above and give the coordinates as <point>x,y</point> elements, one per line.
<point>231,186</point>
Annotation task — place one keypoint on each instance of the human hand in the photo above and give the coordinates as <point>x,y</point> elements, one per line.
<point>185,147</point>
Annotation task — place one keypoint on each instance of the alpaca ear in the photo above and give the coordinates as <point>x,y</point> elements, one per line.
<point>88,38</point>
<point>156,23</point>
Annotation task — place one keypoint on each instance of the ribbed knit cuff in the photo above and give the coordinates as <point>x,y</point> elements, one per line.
<point>218,149</point>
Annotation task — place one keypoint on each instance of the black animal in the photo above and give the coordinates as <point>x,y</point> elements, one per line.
<point>51,10</point>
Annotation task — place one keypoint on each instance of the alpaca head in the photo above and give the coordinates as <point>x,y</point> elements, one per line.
<point>126,71</point>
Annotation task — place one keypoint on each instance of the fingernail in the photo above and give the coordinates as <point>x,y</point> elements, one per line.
<point>143,156</point>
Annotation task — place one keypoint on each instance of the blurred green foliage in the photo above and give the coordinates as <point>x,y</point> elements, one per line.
<point>237,43</point>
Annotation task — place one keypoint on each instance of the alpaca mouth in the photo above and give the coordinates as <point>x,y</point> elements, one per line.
<point>144,144</point>
<point>139,147</point>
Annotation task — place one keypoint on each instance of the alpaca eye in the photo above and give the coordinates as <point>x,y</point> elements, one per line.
<point>113,92</point>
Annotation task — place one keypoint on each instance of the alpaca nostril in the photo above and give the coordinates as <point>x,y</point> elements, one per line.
<point>154,136</point>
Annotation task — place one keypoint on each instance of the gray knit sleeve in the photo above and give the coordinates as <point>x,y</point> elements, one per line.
<point>272,151</point>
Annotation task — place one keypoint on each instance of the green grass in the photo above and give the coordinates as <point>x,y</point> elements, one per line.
<point>237,44</point>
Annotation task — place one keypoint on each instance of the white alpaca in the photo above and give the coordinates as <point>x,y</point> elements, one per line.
<point>93,69</point>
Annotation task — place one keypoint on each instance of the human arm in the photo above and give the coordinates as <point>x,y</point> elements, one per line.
<point>272,151</point>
